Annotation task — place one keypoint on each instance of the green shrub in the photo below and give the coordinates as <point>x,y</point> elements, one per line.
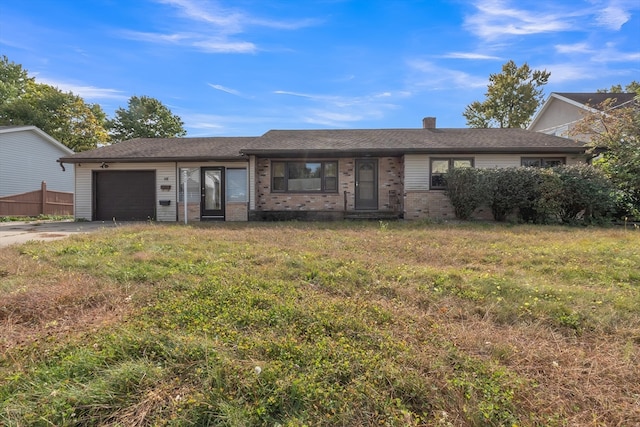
<point>586,194</point>
<point>508,190</point>
<point>466,190</point>
<point>543,190</point>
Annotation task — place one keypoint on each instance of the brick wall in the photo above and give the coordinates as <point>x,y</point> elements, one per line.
<point>193,212</point>
<point>236,211</point>
<point>436,205</point>
<point>427,204</point>
<point>390,172</point>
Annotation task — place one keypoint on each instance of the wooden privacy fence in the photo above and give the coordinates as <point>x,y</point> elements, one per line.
<point>39,202</point>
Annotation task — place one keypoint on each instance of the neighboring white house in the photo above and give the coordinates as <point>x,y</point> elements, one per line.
<point>29,156</point>
<point>561,111</point>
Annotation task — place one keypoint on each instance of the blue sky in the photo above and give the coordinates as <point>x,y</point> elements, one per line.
<point>242,67</point>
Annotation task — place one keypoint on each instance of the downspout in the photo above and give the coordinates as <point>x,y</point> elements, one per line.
<point>184,192</point>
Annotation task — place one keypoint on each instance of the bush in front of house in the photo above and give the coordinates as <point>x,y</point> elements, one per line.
<point>587,195</point>
<point>509,189</point>
<point>568,194</point>
<point>465,188</point>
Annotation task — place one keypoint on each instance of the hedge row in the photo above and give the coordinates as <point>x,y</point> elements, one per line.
<point>568,194</point>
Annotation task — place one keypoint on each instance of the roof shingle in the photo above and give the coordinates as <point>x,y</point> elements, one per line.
<point>331,142</point>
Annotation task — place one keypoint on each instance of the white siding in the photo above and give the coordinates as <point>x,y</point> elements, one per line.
<point>416,172</point>
<point>83,200</point>
<point>514,160</point>
<point>416,166</point>
<point>557,118</point>
<point>485,161</point>
<point>27,159</point>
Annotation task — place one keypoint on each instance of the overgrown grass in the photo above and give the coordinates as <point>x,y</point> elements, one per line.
<point>319,324</point>
<point>12,218</point>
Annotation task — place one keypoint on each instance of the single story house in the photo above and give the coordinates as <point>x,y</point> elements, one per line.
<point>307,174</point>
<point>28,156</point>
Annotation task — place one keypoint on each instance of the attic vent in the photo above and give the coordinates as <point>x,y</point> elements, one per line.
<point>429,123</point>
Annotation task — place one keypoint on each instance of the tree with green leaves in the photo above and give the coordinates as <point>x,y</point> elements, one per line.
<point>145,117</point>
<point>13,80</point>
<point>615,130</point>
<point>633,87</point>
<point>63,115</point>
<point>512,97</point>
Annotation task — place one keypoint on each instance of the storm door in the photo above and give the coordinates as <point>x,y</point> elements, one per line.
<point>366,184</point>
<point>212,193</point>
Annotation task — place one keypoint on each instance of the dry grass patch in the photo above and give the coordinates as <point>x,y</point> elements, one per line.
<point>40,303</point>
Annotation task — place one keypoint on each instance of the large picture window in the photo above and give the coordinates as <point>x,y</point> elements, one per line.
<point>304,177</point>
<point>439,167</point>
<point>542,162</point>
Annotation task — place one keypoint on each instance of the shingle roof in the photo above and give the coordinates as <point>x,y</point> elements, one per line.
<point>165,149</point>
<point>595,99</point>
<point>397,141</point>
<point>331,142</point>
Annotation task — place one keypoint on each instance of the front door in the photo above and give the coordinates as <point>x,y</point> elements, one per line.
<point>366,184</point>
<point>212,193</point>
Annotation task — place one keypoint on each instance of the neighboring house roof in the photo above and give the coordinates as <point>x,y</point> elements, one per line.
<point>60,146</point>
<point>583,101</point>
<point>595,99</point>
<point>165,149</point>
<point>331,143</point>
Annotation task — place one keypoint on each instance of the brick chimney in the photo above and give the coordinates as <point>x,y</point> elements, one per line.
<point>429,123</point>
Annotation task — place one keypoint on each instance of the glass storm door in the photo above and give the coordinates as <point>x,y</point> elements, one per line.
<point>366,184</point>
<point>212,193</point>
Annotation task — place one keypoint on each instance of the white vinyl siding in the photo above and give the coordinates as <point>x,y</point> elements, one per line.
<point>27,159</point>
<point>485,161</point>
<point>416,166</point>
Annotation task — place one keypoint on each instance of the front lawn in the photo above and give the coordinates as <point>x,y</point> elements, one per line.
<point>323,324</point>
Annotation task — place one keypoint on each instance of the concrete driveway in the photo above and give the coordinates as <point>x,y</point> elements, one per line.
<point>21,232</point>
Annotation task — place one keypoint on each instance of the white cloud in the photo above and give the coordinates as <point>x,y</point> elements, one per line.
<point>225,89</point>
<point>198,41</point>
<point>469,55</point>
<point>496,18</point>
<point>493,19</point>
<point>231,21</point>
<point>613,16</point>
<point>211,27</point>
<point>84,91</point>
<point>301,95</point>
<point>573,48</point>
<point>427,74</point>
<point>340,111</point>
<point>610,53</point>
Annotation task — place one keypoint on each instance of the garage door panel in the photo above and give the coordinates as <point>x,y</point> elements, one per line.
<point>124,195</point>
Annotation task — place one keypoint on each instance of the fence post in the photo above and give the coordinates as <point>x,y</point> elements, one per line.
<point>43,190</point>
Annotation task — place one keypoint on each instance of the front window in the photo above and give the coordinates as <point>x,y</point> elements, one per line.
<point>542,162</point>
<point>236,185</point>
<point>193,185</point>
<point>439,168</point>
<point>304,177</point>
